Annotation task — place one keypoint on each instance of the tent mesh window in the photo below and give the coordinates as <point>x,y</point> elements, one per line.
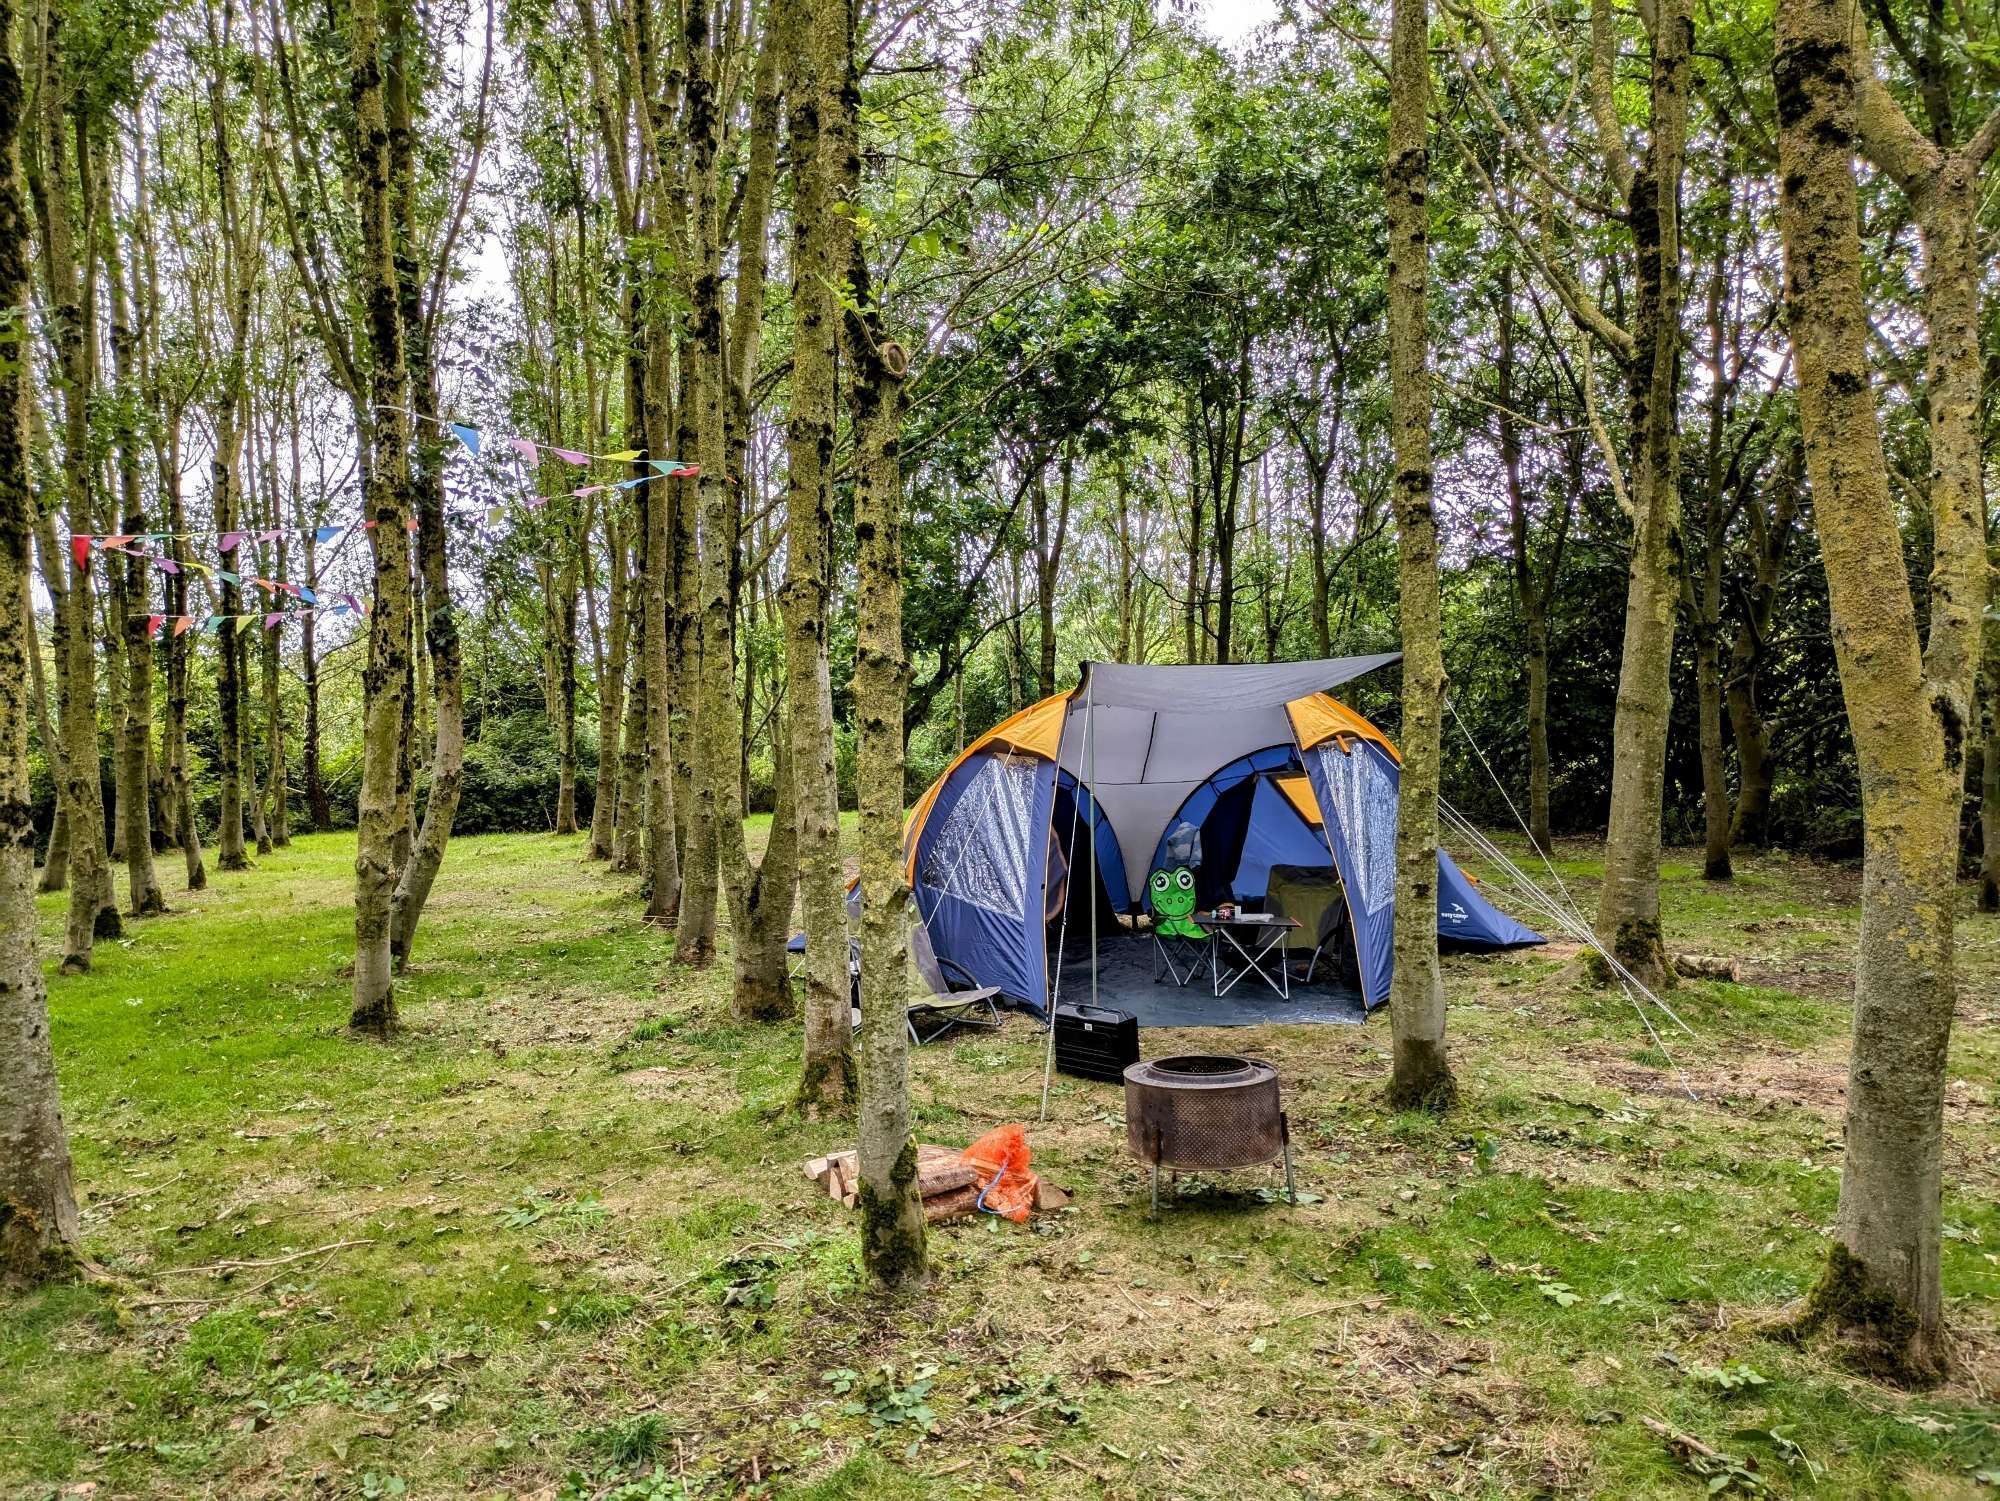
<point>980,853</point>
<point>1364,796</point>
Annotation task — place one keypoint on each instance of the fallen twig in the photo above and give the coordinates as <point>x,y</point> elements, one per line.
<point>1677,1440</point>
<point>215,1268</point>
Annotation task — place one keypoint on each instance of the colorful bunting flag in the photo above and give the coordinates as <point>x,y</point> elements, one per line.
<point>623,456</point>
<point>153,624</point>
<point>325,534</point>
<point>79,548</point>
<point>469,436</point>
<point>525,447</point>
<point>570,456</point>
<point>229,542</point>
<point>182,623</point>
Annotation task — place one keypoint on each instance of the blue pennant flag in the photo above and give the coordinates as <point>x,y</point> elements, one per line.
<point>326,534</point>
<point>307,595</point>
<point>633,484</point>
<point>469,436</point>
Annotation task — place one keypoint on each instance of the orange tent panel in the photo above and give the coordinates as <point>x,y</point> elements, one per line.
<point>1320,716</point>
<point>1036,729</point>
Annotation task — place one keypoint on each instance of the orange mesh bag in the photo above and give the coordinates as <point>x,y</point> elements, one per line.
<point>1000,1157</point>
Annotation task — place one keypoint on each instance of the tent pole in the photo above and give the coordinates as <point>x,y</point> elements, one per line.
<point>1090,758</point>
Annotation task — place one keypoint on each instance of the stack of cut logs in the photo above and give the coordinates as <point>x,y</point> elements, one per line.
<point>948,1186</point>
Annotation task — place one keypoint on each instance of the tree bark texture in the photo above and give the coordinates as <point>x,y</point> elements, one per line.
<point>1907,711</point>
<point>1628,912</point>
<point>385,680</point>
<point>892,1214</point>
<point>39,1232</point>
<point>1421,1077</point>
<point>818,32</point>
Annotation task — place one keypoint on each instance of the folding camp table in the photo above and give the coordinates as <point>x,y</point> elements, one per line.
<point>1256,942</point>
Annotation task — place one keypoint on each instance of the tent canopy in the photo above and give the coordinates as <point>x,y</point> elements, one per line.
<point>1290,775</point>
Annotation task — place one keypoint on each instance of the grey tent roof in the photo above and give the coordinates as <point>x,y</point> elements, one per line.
<point>1224,688</point>
<point>1143,738</point>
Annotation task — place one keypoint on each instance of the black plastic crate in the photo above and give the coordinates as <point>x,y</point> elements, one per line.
<point>1096,1042</point>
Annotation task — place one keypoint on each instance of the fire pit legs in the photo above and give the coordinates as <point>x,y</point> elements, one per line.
<point>1206,1114</point>
<point>1285,1135</point>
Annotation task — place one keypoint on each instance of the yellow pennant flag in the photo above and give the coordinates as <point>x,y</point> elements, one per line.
<point>620,458</point>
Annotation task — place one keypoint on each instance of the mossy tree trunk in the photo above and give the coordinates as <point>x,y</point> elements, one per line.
<point>39,1232</point>
<point>607,635</point>
<point>61,188</point>
<point>818,32</point>
<point>1421,1077</point>
<point>892,1213</point>
<point>1907,702</point>
<point>135,740</point>
<point>1628,910</point>
<point>385,679</point>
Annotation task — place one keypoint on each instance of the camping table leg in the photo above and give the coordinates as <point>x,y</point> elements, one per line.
<point>1251,961</point>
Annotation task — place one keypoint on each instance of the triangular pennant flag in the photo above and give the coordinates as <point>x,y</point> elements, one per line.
<point>307,595</point>
<point>633,484</point>
<point>469,436</point>
<point>624,455</point>
<point>525,447</point>
<point>244,622</point>
<point>369,524</point>
<point>166,565</point>
<point>327,533</point>
<point>181,624</point>
<point>292,589</point>
<point>211,625</point>
<point>274,619</point>
<point>410,525</point>
<point>687,471</point>
<point>116,541</point>
<point>227,577</point>
<point>667,466</point>
<point>79,548</point>
<point>198,566</point>
<point>153,624</point>
<point>494,513</point>
<point>354,602</point>
<point>570,455</point>
<point>229,542</point>
<point>536,502</point>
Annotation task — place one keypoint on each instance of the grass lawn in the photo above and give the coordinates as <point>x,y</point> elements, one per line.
<point>554,1240</point>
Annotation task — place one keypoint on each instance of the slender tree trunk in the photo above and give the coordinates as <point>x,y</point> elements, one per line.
<point>665,899</point>
<point>565,643</point>
<point>318,806</point>
<point>1628,912</point>
<point>136,743</point>
<point>72,301</point>
<point>818,33</point>
<point>187,825</point>
<point>1906,706</point>
<point>442,650</point>
<point>629,852</point>
<point>892,1213</point>
<point>55,863</point>
<point>40,1237</point>
<point>385,680</point>
<point>609,658</point>
<point>1989,777</point>
<point>1422,1076</point>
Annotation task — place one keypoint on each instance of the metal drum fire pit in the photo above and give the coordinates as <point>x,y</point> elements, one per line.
<point>1205,1112</point>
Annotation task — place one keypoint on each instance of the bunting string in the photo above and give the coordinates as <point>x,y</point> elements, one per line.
<point>528,450</point>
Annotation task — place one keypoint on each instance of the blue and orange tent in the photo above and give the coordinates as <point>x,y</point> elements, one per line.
<point>1259,759</point>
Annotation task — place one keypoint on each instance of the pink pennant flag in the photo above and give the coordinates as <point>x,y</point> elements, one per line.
<point>369,525</point>
<point>182,623</point>
<point>272,535</point>
<point>525,448</point>
<point>229,542</point>
<point>588,490</point>
<point>166,565</point>
<point>570,456</point>
<point>274,619</point>
<point>354,602</point>
<point>536,502</point>
<point>291,589</point>
<point>116,541</point>
<point>153,624</point>
<point>410,525</point>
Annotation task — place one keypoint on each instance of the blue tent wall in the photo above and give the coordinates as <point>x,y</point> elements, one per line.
<point>981,864</point>
<point>1110,862</point>
<point>1357,792</point>
<point>1276,836</point>
<point>1467,918</point>
<point>1198,804</point>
